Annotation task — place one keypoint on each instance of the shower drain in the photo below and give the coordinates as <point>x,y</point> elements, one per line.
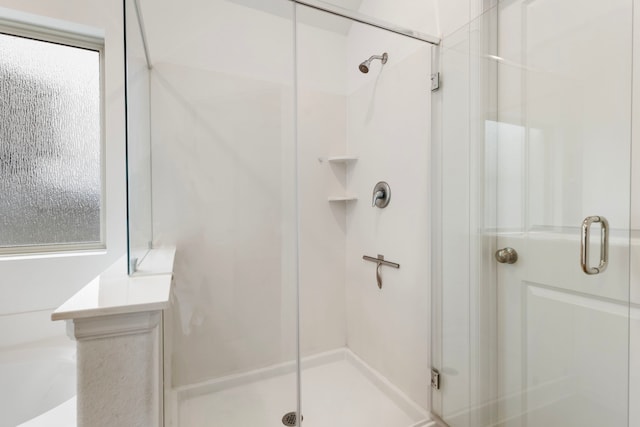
<point>289,419</point>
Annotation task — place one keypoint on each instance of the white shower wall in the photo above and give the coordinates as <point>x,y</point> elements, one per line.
<point>222,140</point>
<point>383,119</point>
<point>222,108</point>
<point>389,130</point>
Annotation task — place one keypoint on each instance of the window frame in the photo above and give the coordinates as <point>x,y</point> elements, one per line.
<point>78,36</point>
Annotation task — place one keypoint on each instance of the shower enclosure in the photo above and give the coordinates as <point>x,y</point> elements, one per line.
<point>378,228</point>
<point>270,144</point>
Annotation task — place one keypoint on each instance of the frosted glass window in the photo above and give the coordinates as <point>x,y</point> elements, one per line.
<point>50,144</point>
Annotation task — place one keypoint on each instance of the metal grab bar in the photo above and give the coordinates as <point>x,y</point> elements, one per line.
<point>604,245</point>
<point>380,261</point>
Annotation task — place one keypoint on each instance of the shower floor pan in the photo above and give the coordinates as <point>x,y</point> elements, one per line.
<point>339,390</point>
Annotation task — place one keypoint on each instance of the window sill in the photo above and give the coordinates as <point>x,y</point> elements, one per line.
<point>17,256</point>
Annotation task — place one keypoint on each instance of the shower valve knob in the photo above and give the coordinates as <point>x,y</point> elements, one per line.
<point>381,195</point>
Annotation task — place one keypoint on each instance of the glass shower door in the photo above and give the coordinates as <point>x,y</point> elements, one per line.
<point>362,119</point>
<point>561,151</point>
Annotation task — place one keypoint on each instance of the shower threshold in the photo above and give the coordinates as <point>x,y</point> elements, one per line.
<point>338,389</point>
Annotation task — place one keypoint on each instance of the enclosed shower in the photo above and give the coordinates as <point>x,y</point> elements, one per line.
<point>296,300</point>
<point>376,226</point>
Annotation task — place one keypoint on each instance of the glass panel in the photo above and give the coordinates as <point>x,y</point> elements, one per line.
<point>138,139</point>
<point>50,167</point>
<point>453,357</point>
<point>364,348</point>
<point>464,308</point>
<point>224,193</point>
<point>563,153</point>
<point>532,144</point>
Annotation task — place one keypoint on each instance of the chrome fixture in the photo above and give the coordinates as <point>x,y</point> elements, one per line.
<point>435,82</point>
<point>435,379</point>
<point>290,419</point>
<point>380,261</point>
<point>507,256</point>
<point>604,245</point>
<point>364,66</point>
<point>381,195</point>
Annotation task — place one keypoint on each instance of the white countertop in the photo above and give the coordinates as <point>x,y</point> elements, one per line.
<point>114,292</point>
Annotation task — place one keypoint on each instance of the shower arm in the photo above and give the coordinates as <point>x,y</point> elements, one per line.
<point>382,57</point>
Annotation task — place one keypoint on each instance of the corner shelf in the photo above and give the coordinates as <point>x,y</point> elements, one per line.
<point>342,159</point>
<point>345,161</point>
<point>347,198</point>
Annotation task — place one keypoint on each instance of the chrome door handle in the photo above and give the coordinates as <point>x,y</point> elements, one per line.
<point>604,245</point>
<point>506,256</point>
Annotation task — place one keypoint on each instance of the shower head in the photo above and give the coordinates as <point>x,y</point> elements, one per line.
<point>364,66</point>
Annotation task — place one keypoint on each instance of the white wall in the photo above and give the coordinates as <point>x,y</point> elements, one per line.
<point>417,15</point>
<point>223,189</point>
<point>389,130</point>
<point>224,185</point>
<point>31,287</point>
<point>435,17</point>
<point>382,118</point>
<point>454,14</point>
<point>322,132</point>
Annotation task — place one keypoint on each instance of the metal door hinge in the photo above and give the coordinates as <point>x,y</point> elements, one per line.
<point>435,82</point>
<point>435,379</point>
